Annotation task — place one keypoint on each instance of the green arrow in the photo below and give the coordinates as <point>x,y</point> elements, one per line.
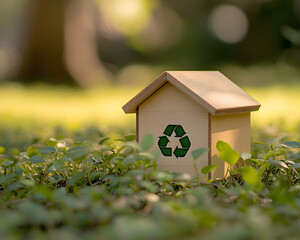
<point>185,142</point>
<point>163,141</point>
<point>180,152</point>
<point>179,131</point>
<point>166,151</point>
<point>169,130</point>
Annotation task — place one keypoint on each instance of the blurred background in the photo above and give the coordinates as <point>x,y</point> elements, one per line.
<point>72,64</point>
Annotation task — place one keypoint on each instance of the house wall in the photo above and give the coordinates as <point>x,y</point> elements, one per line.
<point>233,129</point>
<point>167,106</point>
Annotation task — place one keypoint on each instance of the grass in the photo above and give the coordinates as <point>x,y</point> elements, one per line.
<point>278,106</point>
<point>50,106</point>
<point>67,107</point>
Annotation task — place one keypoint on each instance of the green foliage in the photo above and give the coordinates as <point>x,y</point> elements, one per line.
<point>207,169</point>
<point>227,154</point>
<point>198,152</point>
<point>110,189</point>
<point>147,142</point>
<point>251,177</point>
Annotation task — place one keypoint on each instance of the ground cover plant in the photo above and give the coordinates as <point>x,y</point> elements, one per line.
<point>110,189</point>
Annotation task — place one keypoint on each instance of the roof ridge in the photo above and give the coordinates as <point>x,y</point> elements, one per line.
<point>212,89</point>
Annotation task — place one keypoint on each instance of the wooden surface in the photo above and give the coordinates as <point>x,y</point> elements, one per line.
<point>210,89</point>
<point>233,129</point>
<point>132,105</point>
<point>170,106</point>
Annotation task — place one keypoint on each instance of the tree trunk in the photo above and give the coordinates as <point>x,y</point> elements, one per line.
<point>59,44</point>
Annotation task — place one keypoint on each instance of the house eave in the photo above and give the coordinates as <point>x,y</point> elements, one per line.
<point>132,105</point>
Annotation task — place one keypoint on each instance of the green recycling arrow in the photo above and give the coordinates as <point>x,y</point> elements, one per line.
<point>180,152</point>
<point>179,133</point>
<point>169,130</point>
<point>185,142</point>
<point>163,141</point>
<point>166,151</point>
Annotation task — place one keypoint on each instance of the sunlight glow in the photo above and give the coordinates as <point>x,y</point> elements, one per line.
<point>128,16</point>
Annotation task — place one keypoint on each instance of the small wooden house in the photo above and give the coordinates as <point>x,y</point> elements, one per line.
<point>187,110</point>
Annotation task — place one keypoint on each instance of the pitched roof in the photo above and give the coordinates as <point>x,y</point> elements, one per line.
<point>211,89</point>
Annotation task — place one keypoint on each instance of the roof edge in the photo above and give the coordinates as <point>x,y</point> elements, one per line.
<point>131,106</point>
<point>224,111</point>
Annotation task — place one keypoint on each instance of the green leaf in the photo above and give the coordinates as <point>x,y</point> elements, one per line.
<point>31,151</point>
<point>207,169</point>
<point>261,143</point>
<point>292,144</point>
<point>47,149</point>
<point>262,168</point>
<point>251,177</point>
<point>7,163</point>
<point>36,159</point>
<point>134,145</point>
<point>230,156</point>
<point>149,186</point>
<point>74,149</point>
<point>273,153</point>
<point>221,145</point>
<point>129,160</point>
<point>245,155</point>
<point>27,182</point>
<point>56,178</point>
<point>127,138</point>
<point>102,141</point>
<point>13,186</point>
<point>76,178</point>
<point>58,165</point>
<point>18,171</point>
<point>78,155</point>
<point>198,152</point>
<point>147,142</point>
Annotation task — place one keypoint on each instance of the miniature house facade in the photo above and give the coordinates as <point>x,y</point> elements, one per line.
<point>187,110</point>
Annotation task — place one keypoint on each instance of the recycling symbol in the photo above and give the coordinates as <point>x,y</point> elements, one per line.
<point>183,139</point>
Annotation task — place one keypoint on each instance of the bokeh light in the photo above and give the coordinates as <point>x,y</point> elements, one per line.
<point>163,31</point>
<point>228,23</point>
<point>129,16</point>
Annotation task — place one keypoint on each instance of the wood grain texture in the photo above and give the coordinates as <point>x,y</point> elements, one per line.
<point>233,129</point>
<point>211,89</point>
<point>170,106</point>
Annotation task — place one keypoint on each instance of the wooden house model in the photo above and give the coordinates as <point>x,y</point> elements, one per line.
<point>187,110</point>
